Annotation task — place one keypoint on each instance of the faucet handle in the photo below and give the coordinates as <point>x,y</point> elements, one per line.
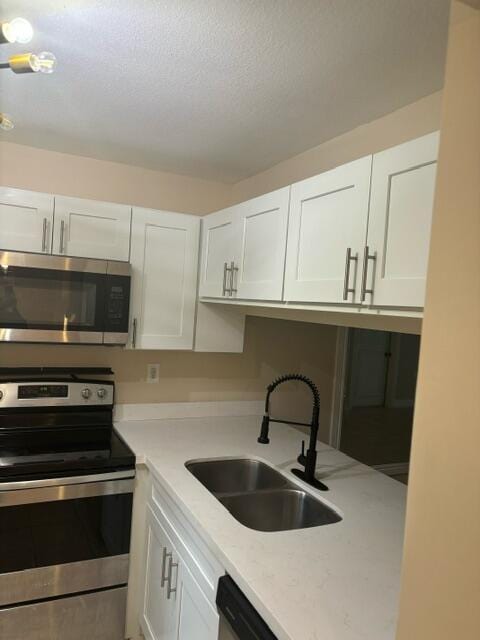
<point>302,459</point>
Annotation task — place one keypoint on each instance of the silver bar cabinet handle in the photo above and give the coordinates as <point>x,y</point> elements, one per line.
<point>171,565</point>
<point>366,257</point>
<point>233,270</point>
<point>44,235</point>
<point>134,333</point>
<point>348,260</point>
<point>224,287</point>
<point>62,235</point>
<point>166,554</point>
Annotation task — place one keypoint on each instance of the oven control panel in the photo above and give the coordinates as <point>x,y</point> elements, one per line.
<point>32,391</point>
<point>55,393</point>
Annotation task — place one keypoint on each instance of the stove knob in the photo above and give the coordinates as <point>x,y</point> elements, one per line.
<point>101,393</point>
<point>86,393</point>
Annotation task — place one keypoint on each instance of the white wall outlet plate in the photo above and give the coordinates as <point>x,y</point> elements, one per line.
<point>153,373</point>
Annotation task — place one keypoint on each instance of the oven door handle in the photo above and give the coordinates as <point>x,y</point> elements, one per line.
<point>14,485</point>
<point>64,492</point>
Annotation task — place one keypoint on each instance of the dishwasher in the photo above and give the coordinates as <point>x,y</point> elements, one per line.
<point>239,619</point>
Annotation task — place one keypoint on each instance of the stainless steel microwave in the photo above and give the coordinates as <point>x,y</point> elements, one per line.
<point>63,300</point>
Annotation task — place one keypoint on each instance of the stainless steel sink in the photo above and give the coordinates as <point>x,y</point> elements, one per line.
<point>260,497</point>
<point>279,510</point>
<point>236,476</point>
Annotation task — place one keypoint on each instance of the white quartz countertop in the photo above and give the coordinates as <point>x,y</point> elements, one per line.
<point>334,582</point>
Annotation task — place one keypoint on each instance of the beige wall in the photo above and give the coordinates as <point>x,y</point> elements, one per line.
<point>404,124</point>
<point>272,347</point>
<point>441,572</point>
<point>41,170</point>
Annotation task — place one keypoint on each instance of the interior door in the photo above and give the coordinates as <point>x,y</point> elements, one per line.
<point>159,619</point>
<point>91,229</point>
<point>164,262</point>
<point>198,618</point>
<point>26,219</point>
<point>220,234</point>
<point>328,216</point>
<point>368,365</point>
<point>260,258</point>
<point>403,188</point>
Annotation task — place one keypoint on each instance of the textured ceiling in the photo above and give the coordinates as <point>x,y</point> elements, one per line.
<point>219,89</point>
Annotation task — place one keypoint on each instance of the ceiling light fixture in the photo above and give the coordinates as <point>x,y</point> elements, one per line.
<point>5,123</point>
<point>18,30</point>
<point>21,31</point>
<point>44,62</point>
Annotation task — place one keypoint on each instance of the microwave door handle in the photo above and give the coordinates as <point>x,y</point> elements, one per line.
<point>134,334</point>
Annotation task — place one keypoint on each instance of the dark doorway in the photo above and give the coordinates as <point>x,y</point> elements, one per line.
<point>380,381</point>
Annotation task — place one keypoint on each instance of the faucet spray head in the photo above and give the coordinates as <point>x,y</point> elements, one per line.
<point>263,437</point>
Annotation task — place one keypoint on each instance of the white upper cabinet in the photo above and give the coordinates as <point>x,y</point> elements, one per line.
<point>259,262</point>
<point>403,188</point>
<point>164,257</point>
<point>243,249</point>
<point>91,229</point>
<point>219,231</point>
<point>26,220</point>
<point>326,234</point>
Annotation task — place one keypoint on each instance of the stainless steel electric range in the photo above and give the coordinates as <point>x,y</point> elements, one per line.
<point>66,488</point>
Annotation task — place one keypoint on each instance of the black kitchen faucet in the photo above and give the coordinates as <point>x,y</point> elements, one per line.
<point>309,459</point>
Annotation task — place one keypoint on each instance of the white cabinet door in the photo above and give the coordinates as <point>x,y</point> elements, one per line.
<point>219,237</point>
<point>159,618</point>
<point>403,187</point>
<point>164,259</point>
<point>262,239</point>
<point>26,219</point>
<point>328,216</point>
<point>198,619</point>
<point>91,229</point>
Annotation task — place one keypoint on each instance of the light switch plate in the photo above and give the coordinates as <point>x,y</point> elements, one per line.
<point>153,373</point>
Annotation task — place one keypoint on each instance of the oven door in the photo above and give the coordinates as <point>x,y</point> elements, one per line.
<point>64,536</point>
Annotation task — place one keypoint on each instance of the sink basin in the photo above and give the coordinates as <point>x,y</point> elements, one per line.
<point>236,476</point>
<point>260,497</point>
<point>279,510</point>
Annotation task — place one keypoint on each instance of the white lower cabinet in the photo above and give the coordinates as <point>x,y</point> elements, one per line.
<point>164,259</point>
<point>198,618</point>
<point>175,607</point>
<point>159,619</point>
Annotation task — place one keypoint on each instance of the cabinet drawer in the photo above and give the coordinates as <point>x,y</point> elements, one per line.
<point>201,562</point>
